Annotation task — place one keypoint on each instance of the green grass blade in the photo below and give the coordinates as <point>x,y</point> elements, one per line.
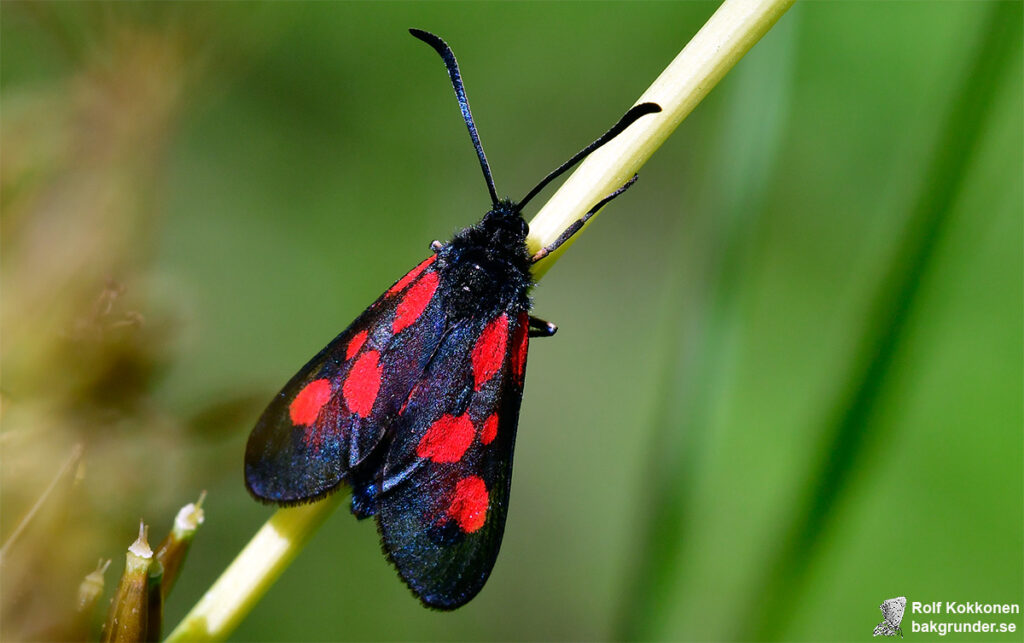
<point>851,434</point>
<point>739,174</point>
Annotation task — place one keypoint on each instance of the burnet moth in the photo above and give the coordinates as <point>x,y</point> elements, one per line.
<point>415,404</point>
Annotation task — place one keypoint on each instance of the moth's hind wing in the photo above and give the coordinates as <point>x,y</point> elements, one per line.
<point>332,414</point>
<point>442,508</point>
<point>883,629</point>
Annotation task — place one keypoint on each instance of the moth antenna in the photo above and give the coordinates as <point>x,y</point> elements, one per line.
<point>442,48</point>
<point>627,119</point>
<point>577,225</point>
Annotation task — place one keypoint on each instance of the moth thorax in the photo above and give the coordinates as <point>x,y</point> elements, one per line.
<point>480,283</point>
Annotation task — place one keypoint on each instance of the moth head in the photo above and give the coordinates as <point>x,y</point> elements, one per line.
<point>504,221</point>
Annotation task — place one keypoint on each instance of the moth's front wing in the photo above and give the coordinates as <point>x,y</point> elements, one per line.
<point>445,496</point>
<point>329,417</point>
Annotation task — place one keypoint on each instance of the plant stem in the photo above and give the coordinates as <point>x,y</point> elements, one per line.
<point>253,571</point>
<point>724,39</point>
<point>712,52</point>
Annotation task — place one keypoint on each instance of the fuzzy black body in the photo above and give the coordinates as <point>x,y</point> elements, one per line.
<point>488,266</point>
<point>430,455</point>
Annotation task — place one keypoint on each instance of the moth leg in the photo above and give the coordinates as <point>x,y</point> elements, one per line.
<point>364,500</point>
<point>578,223</point>
<point>541,328</point>
<point>436,246</point>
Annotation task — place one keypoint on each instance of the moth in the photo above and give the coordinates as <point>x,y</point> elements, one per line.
<point>892,613</point>
<point>415,404</point>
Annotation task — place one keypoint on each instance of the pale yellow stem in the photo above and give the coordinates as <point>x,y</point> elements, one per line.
<point>253,571</point>
<point>726,37</point>
<point>720,43</point>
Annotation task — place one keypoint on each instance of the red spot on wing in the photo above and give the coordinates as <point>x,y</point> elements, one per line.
<point>316,433</point>
<point>469,506</point>
<point>489,352</point>
<point>306,406</point>
<point>447,439</point>
<point>415,302</point>
<point>490,430</point>
<point>411,275</point>
<point>355,344</point>
<point>362,383</point>
<point>520,345</point>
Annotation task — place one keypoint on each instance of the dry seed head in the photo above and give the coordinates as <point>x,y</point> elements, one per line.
<point>92,587</point>
<point>172,551</point>
<point>141,546</point>
<point>190,517</point>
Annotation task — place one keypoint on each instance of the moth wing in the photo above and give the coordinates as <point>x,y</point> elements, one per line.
<point>331,415</point>
<point>884,629</point>
<point>892,610</point>
<point>443,503</point>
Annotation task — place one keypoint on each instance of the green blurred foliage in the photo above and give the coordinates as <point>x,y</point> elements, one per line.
<point>197,197</point>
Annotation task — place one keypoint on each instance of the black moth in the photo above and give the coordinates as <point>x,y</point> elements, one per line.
<point>415,404</point>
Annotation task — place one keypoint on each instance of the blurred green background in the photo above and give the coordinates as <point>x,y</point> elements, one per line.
<point>788,380</point>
